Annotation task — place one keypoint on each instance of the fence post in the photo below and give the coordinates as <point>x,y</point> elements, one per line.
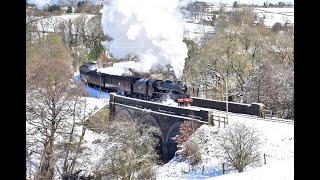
<point>222,168</point>
<point>219,121</point>
<point>210,119</point>
<point>264,157</point>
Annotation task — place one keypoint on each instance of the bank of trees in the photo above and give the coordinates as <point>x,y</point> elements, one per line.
<point>57,123</point>
<point>255,62</point>
<point>84,38</point>
<point>83,35</point>
<point>56,113</point>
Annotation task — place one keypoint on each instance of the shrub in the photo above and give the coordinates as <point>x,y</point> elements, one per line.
<point>239,146</point>
<point>185,131</point>
<point>191,153</point>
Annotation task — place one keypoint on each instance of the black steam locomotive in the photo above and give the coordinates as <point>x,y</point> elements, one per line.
<point>137,87</point>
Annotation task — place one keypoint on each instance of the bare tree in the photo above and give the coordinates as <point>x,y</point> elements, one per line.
<point>190,152</point>
<point>73,135</point>
<point>239,146</point>
<point>244,59</point>
<point>129,151</point>
<point>272,85</point>
<point>48,93</point>
<point>242,16</point>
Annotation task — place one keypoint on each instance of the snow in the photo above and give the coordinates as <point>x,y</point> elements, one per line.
<point>50,23</point>
<point>280,170</point>
<point>92,92</point>
<point>230,2</point>
<point>278,145</point>
<point>121,68</point>
<point>278,139</point>
<point>93,152</point>
<point>274,15</point>
<point>170,102</point>
<point>197,31</point>
<point>86,160</point>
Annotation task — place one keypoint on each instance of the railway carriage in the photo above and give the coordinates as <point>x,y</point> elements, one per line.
<point>137,87</point>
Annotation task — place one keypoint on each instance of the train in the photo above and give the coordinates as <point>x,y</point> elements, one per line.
<point>135,87</point>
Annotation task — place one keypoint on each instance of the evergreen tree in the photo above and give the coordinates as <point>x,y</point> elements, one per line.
<point>95,51</point>
<point>69,10</point>
<point>235,4</point>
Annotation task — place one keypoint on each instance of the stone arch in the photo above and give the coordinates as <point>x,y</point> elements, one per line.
<point>161,148</point>
<point>149,119</point>
<point>171,145</point>
<point>123,114</point>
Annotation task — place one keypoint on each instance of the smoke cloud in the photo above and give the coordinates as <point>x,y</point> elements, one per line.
<point>151,29</point>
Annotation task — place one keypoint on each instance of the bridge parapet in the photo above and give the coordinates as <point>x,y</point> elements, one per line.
<point>252,109</point>
<point>198,114</point>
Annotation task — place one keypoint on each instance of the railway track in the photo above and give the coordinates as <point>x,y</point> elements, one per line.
<point>223,113</point>
<point>286,121</point>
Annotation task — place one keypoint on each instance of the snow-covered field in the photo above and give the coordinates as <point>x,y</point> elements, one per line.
<point>278,145</point>
<point>274,15</point>
<point>270,16</point>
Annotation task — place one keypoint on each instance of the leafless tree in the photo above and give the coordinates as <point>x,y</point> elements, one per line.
<point>239,146</point>
<point>129,151</point>
<point>49,92</point>
<point>73,135</point>
<point>231,60</point>
<point>242,16</point>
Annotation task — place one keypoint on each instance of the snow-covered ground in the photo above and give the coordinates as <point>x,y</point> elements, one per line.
<point>92,92</point>
<point>87,160</point>
<point>276,15</point>
<point>270,16</point>
<point>197,31</point>
<point>278,145</point>
<point>50,23</point>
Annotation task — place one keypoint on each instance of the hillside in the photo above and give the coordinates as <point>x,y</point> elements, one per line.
<point>278,140</point>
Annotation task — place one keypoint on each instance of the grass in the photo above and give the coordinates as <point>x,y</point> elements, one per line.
<point>99,121</point>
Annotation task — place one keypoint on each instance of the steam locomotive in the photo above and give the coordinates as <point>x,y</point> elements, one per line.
<point>136,87</point>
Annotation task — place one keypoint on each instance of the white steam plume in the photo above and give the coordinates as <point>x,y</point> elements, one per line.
<point>151,29</point>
